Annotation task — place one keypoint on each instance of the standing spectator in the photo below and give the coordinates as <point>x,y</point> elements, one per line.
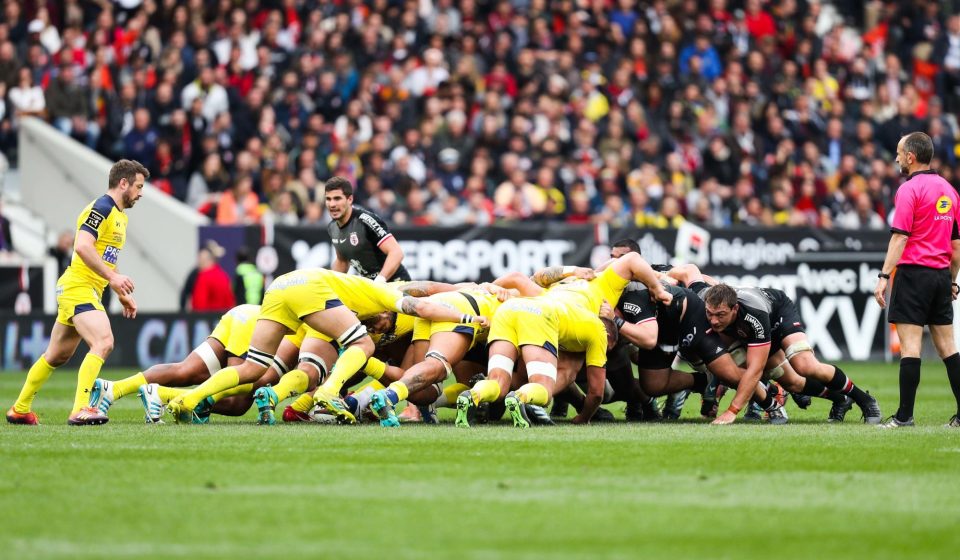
<point>212,290</point>
<point>212,96</point>
<point>248,282</point>
<point>239,205</point>
<point>68,103</point>
<point>141,142</point>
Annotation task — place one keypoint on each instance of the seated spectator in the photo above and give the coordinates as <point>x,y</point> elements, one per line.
<point>239,205</point>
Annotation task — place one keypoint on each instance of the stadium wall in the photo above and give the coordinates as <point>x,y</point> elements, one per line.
<point>61,176</point>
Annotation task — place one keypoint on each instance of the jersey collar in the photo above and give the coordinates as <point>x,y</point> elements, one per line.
<point>924,172</point>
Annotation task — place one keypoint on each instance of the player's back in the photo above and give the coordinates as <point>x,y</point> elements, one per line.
<point>582,331</point>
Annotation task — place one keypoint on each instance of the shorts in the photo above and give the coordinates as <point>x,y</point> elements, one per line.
<point>787,323</point>
<point>288,303</point>
<point>235,331</point>
<point>527,321</point>
<point>921,296</point>
<point>423,329</point>
<point>74,298</point>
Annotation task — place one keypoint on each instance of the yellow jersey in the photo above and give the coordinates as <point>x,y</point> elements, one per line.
<point>579,330</point>
<point>103,219</point>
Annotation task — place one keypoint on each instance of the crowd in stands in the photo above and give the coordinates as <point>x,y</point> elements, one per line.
<point>453,112</point>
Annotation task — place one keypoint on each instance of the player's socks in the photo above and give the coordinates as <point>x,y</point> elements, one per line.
<point>700,382</point>
<point>814,388</point>
<point>953,374</point>
<point>226,378</point>
<point>244,389</point>
<point>909,381</point>
<point>167,394</point>
<point>39,372</point>
<point>346,366</point>
<point>89,371</point>
<point>374,385</point>
<point>375,368</point>
<point>533,393</point>
<point>485,391</point>
<point>291,384</point>
<point>449,395</point>
<point>128,386</point>
<point>303,403</point>
<point>397,392</point>
<point>843,384</point>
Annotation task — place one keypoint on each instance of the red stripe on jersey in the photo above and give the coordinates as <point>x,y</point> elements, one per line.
<point>388,236</point>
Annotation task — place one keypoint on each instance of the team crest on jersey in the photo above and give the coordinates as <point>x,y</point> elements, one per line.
<point>943,205</point>
<point>93,220</point>
<point>354,240</point>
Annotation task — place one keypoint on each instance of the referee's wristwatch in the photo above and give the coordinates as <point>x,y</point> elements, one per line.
<point>884,276</point>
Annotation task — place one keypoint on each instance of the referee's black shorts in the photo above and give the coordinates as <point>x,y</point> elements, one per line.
<point>921,296</point>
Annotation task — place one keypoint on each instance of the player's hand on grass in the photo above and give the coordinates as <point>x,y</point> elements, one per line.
<point>580,419</point>
<point>727,417</point>
<point>122,284</point>
<point>129,307</point>
<point>880,293</point>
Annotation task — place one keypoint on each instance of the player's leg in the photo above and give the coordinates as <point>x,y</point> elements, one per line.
<point>943,340</point>
<point>801,356</point>
<point>313,357</point>
<point>93,325</point>
<point>727,371</point>
<point>266,339</point>
<point>779,369</point>
<point>63,343</point>
<point>541,365</point>
<point>446,349</point>
<point>503,355</point>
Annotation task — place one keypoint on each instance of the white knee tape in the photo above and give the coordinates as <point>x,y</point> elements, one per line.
<point>542,368</point>
<point>316,362</point>
<point>797,347</point>
<point>442,359</point>
<point>279,366</point>
<point>775,373</point>
<point>209,357</point>
<point>500,361</point>
<point>739,355</point>
<point>352,335</point>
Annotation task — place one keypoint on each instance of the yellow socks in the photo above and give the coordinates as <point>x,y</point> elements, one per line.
<point>226,378</point>
<point>89,370</point>
<point>400,389</point>
<point>167,394</point>
<point>291,384</point>
<point>39,372</point>
<point>244,389</point>
<point>128,385</point>
<point>533,393</point>
<point>303,403</point>
<point>485,391</point>
<point>347,365</point>
<point>450,393</point>
<point>374,384</point>
<point>375,368</point>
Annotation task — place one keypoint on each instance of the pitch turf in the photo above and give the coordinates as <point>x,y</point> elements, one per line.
<point>236,490</point>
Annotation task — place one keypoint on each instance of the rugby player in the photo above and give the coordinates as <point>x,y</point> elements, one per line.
<point>101,235</point>
<point>331,303</point>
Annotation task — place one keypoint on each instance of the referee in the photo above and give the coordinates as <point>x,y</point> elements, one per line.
<point>360,237</point>
<point>925,247</point>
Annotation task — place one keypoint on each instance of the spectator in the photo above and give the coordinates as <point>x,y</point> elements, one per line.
<point>212,291</point>
<point>248,280</point>
<point>141,142</point>
<point>239,204</point>
<point>63,251</point>
<point>69,107</point>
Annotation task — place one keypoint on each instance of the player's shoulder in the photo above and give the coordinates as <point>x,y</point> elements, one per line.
<point>368,218</point>
<point>103,205</point>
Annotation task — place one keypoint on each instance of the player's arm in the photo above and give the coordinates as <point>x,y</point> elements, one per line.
<point>425,309</point>
<point>552,274</point>
<point>898,241</point>
<point>424,288</point>
<point>596,382</point>
<point>757,355</point>
<point>634,267</point>
<point>86,249</point>
<point>338,264</point>
<point>643,333</point>
<point>391,248</point>
<point>520,282</point>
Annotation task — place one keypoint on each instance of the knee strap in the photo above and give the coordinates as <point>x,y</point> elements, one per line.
<point>542,368</point>
<point>209,357</point>
<point>797,347</point>
<point>352,335</point>
<point>442,359</point>
<point>317,362</point>
<point>500,361</point>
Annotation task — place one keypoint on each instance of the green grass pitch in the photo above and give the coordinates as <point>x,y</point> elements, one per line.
<point>233,489</point>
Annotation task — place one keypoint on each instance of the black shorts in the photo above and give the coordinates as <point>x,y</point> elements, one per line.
<point>921,296</point>
<point>786,323</point>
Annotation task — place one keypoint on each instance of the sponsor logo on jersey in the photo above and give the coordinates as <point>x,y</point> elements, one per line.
<point>94,219</point>
<point>631,308</point>
<point>354,239</point>
<point>944,204</point>
<point>371,223</point>
<point>757,326</point>
<point>110,254</point>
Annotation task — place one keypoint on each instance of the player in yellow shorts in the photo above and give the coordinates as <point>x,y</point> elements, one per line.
<point>101,235</point>
<point>226,346</point>
<point>537,329</point>
<point>444,343</point>
<point>331,303</point>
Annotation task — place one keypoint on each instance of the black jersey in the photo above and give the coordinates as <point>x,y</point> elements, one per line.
<point>758,316</point>
<point>358,242</point>
<point>636,306</point>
